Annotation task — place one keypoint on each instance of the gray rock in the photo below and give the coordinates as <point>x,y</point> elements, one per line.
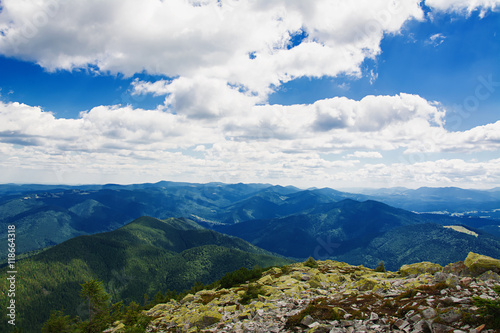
<point>450,316</point>
<point>422,327</point>
<point>489,275</point>
<point>401,324</point>
<point>346,323</point>
<point>429,313</point>
<point>416,318</point>
<point>313,325</point>
<point>440,328</point>
<point>440,277</point>
<point>374,316</point>
<point>307,320</point>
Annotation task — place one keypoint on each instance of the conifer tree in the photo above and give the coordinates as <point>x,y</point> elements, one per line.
<point>97,299</point>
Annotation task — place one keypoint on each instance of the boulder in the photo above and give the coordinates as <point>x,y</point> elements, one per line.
<point>457,268</point>
<point>489,275</point>
<point>265,280</point>
<point>420,268</point>
<point>479,264</point>
<point>450,316</point>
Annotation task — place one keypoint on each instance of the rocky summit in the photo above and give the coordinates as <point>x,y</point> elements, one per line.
<point>330,296</point>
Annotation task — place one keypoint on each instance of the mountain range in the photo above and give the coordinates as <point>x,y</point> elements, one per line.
<point>183,233</point>
<point>47,215</point>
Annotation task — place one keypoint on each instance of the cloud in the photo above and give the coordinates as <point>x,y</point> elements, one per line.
<point>464,6</point>
<point>264,143</point>
<point>366,154</point>
<point>436,39</point>
<point>441,172</point>
<point>244,43</point>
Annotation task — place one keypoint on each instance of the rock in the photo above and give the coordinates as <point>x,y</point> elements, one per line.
<point>420,268</point>
<point>429,313</point>
<point>339,288</point>
<point>307,320</point>
<point>366,284</point>
<point>489,275</point>
<point>188,298</point>
<point>206,319</point>
<point>440,276</point>
<point>450,316</point>
<point>480,328</point>
<point>416,318</point>
<point>119,327</point>
<point>457,268</point>
<point>273,271</point>
<point>265,280</point>
<point>479,264</point>
<point>313,325</point>
<point>440,328</point>
<point>421,327</point>
<point>452,281</point>
<point>401,324</point>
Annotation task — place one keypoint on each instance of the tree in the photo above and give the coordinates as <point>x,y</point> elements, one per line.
<point>97,299</point>
<point>380,267</point>
<point>59,323</point>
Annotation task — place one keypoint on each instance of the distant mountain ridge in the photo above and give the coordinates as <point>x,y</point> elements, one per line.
<point>428,199</point>
<point>47,215</point>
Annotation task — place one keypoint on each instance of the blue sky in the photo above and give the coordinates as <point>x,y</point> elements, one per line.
<point>251,91</point>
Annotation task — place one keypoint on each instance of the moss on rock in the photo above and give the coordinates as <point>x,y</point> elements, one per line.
<point>478,264</point>
<point>420,268</point>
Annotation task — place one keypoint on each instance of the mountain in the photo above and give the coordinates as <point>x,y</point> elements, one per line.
<point>440,199</point>
<point>423,242</point>
<point>145,256</point>
<point>47,215</point>
<point>353,231</point>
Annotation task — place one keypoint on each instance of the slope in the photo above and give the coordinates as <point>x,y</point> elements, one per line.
<point>145,256</point>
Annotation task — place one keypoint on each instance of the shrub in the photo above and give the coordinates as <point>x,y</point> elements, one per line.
<point>253,291</point>
<point>489,309</point>
<point>310,262</point>
<point>380,267</point>
<point>319,309</point>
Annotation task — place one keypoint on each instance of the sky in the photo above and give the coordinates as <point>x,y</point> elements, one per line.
<point>321,93</point>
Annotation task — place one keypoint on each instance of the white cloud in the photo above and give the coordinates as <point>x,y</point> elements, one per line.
<point>436,39</point>
<point>366,154</point>
<point>223,59</point>
<point>442,172</point>
<point>467,6</point>
<point>210,38</point>
<point>265,143</point>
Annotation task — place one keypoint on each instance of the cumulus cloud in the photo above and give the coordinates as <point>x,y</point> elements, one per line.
<point>241,42</point>
<point>268,142</point>
<point>101,128</point>
<point>220,61</point>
